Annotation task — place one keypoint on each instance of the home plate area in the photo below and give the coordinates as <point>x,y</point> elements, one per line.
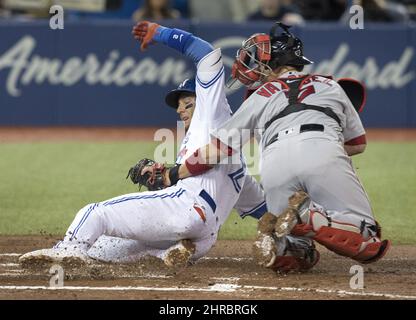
<point>228,272</point>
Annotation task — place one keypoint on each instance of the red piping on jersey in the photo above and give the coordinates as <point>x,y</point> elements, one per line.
<point>200,212</point>
<point>195,164</point>
<point>357,141</point>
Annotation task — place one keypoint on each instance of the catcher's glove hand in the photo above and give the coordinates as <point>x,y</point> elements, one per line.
<point>148,173</point>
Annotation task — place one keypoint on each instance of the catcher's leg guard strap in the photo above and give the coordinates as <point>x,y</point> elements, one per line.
<point>341,238</point>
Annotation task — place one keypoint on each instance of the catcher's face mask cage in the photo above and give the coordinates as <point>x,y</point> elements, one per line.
<point>261,54</point>
<point>252,59</point>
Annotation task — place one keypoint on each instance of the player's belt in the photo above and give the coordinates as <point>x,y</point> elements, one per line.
<point>205,195</point>
<point>302,128</point>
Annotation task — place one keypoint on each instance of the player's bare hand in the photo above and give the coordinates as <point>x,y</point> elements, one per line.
<point>144,31</point>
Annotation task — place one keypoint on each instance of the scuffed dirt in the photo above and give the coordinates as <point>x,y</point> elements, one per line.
<point>228,263</point>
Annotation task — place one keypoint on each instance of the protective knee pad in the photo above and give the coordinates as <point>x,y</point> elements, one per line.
<point>342,238</point>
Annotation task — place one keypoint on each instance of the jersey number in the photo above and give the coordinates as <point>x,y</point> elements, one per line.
<point>305,92</point>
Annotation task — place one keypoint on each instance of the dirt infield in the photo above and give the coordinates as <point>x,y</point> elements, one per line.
<point>33,134</point>
<point>228,272</point>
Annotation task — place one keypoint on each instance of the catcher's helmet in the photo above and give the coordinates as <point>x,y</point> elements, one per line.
<point>188,86</point>
<point>262,53</point>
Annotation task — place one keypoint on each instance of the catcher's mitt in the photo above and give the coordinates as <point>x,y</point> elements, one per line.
<point>152,179</point>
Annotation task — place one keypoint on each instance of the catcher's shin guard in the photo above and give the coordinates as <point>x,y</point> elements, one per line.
<point>342,238</point>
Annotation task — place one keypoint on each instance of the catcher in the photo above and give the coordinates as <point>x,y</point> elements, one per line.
<point>179,223</point>
<point>310,130</point>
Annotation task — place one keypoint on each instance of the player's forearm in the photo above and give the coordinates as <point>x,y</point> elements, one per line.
<point>199,162</point>
<point>352,150</point>
<point>184,42</point>
<point>356,145</point>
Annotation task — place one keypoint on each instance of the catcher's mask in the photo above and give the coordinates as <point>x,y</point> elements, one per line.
<point>260,54</point>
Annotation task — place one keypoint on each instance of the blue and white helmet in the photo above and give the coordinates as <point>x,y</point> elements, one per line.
<point>188,86</point>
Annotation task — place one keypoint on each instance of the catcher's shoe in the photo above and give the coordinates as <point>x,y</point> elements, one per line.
<point>67,256</point>
<point>179,254</point>
<point>264,249</point>
<point>297,258</point>
<point>290,217</point>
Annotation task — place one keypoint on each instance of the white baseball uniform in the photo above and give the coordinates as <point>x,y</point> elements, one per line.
<point>151,222</point>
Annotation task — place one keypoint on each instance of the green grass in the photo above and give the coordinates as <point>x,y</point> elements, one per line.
<point>43,185</point>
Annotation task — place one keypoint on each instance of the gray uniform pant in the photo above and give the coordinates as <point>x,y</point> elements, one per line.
<point>316,163</point>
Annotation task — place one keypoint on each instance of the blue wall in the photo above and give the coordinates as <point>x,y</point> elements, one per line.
<point>92,73</point>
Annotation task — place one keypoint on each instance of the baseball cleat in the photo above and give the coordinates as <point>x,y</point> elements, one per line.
<point>179,254</point>
<point>67,256</point>
<point>264,249</point>
<point>286,264</point>
<point>298,203</point>
<point>297,258</point>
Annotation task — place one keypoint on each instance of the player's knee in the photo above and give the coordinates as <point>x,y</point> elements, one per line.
<point>203,246</point>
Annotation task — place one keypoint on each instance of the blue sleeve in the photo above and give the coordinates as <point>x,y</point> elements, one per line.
<point>184,42</point>
<point>257,212</point>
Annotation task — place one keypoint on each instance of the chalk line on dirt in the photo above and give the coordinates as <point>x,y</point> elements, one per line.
<point>227,258</point>
<point>337,292</point>
<point>9,264</point>
<point>219,287</point>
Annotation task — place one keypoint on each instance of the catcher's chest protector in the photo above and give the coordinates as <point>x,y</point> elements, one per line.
<point>293,93</point>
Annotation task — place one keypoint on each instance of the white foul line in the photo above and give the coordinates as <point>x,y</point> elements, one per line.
<point>338,292</point>
<point>219,287</point>
<point>228,258</point>
<point>222,288</point>
<point>9,264</point>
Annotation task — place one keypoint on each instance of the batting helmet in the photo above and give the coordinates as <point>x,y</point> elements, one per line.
<point>261,53</point>
<point>188,86</point>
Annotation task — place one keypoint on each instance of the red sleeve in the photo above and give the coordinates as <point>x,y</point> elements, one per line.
<point>196,165</point>
<point>357,141</point>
